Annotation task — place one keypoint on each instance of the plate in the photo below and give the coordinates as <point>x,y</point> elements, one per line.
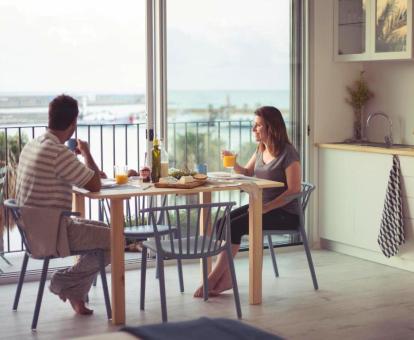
<point>108,183</point>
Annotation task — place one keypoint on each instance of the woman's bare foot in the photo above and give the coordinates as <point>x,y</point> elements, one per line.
<point>222,285</point>
<point>199,293</point>
<point>80,308</point>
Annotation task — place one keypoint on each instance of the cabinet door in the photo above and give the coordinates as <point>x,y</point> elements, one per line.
<point>391,35</point>
<point>351,29</point>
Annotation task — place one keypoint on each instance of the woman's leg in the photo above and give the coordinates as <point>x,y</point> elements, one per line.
<point>219,279</point>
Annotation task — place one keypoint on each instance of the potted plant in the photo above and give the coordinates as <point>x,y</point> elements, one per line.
<point>359,96</point>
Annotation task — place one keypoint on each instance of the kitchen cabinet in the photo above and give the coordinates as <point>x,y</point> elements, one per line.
<point>372,30</point>
<point>351,192</point>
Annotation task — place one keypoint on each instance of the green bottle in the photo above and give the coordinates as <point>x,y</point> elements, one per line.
<point>156,161</point>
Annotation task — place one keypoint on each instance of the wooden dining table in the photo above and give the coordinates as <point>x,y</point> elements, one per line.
<point>117,195</point>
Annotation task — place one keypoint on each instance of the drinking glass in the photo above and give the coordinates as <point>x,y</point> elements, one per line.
<point>121,174</point>
<point>229,160</point>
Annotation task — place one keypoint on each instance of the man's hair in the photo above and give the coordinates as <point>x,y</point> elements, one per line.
<point>63,111</point>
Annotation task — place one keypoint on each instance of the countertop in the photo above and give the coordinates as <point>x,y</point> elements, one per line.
<point>403,151</point>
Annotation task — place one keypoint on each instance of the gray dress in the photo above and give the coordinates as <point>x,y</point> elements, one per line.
<point>280,218</point>
<point>275,171</point>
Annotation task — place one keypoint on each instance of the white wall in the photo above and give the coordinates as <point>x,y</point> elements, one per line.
<point>391,81</point>
<point>332,116</point>
<point>393,85</point>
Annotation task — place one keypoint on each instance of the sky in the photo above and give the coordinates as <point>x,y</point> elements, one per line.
<point>98,46</point>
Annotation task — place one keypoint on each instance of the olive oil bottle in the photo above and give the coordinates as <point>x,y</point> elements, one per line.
<point>156,161</point>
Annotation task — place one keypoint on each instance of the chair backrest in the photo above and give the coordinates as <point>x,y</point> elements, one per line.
<point>307,189</point>
<point>184,221</point>
<point>136,209</point>
<point>14,208</point>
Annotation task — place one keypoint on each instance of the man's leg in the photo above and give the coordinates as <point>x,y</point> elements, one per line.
<point>74,283</point>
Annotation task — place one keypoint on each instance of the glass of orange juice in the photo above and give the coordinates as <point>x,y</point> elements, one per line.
<point>229,159</point>
<point>121,174</point>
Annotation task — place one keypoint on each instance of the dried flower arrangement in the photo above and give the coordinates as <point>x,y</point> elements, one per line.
<point>359,95</point>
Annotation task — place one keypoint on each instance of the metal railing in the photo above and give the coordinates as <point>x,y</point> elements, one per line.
<point>189,143</point>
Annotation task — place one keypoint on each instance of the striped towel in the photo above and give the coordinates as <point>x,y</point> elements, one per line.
<point>391,234</point>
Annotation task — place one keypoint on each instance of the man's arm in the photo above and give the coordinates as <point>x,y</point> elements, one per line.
<point>94,183</point>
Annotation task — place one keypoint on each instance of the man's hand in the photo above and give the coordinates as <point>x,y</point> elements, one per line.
<point>83,148</point>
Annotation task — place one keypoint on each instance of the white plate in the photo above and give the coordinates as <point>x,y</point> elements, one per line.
<point>108,183</point>
<point>219,174</point>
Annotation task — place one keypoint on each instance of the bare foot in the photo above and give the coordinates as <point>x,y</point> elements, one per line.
<point>222,285</point>
<point>80,308</point>
<point>199,293</point>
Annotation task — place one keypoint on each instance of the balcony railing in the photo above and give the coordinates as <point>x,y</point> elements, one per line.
<point>110,144</point>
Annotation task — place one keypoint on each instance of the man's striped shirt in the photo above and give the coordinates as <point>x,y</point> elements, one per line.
<point>46,173</point>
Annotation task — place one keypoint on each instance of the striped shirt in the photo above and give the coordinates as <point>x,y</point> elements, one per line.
<point>46,173</point>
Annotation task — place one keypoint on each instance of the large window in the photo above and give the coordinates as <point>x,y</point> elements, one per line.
<point>94,50</point>
<point>224,60</point>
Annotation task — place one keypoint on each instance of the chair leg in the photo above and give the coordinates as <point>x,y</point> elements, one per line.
<point>157,274</point>
<point>205,281</point>
<point>309,257</point>
<point>40,293</point>
<point>95,280</point>
<point>21,280</point>
<point>143,277</point>
<point>161,280</point>
<point>234,282</point>
<point>180,275</point>
<point>273,255</point>
<point>104,284</point>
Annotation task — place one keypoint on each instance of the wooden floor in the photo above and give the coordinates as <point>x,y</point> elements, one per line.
<point>357,300</point>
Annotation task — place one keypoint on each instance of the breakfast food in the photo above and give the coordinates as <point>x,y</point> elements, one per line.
<point>200,177</point>
<point>186,179</point>
<point>168,180</point>
<point>132,173</point>
<point>178,173</point>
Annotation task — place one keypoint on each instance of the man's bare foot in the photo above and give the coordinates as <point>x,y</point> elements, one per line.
<point>80,308</point>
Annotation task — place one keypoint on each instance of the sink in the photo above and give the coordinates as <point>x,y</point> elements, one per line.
<point>380,145</point>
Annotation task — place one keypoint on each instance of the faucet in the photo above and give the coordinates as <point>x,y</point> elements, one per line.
<point>387,139</point>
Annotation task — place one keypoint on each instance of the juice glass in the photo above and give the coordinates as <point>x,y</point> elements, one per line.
<point>121,174</point>
<point>229,160</point>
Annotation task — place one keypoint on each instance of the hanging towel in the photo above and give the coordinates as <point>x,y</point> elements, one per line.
<point>391,234</point>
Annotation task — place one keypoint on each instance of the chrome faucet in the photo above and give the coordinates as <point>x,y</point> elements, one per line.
<point>387,139</point>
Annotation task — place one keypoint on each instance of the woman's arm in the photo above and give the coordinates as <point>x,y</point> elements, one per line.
<point>293,182</point>
<point>249,167</point>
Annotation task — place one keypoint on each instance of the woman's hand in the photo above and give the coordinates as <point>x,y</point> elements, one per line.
<point>227,153</point>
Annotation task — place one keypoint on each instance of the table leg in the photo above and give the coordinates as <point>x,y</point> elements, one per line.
<point>117,262</point>
<point>255,247</point>
<point>78,204</point>
<point>205,197</point>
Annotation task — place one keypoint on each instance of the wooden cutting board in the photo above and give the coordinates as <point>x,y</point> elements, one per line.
<point>191,185</point>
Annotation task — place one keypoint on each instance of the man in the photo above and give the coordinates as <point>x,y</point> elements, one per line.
<point>46,172</point>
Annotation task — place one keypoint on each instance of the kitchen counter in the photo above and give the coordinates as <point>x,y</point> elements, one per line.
<point>403,151</point>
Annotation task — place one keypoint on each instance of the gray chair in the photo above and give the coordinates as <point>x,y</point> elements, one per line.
<point>15,210</point>
<point>187,243</point>
<point>302,199</point>
<point>137,226</point>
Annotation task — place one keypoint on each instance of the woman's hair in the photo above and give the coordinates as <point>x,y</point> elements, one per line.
<point>275,128</point>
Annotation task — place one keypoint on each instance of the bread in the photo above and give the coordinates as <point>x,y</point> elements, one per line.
<point>186,179</point>
<point>200,177</point>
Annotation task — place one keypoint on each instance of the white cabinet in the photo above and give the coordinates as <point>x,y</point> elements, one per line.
<point>372,30</point>
<point>351,193</point>
<point>351,196</point>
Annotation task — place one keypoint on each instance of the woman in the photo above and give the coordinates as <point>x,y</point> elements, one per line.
<point>275,159</point>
